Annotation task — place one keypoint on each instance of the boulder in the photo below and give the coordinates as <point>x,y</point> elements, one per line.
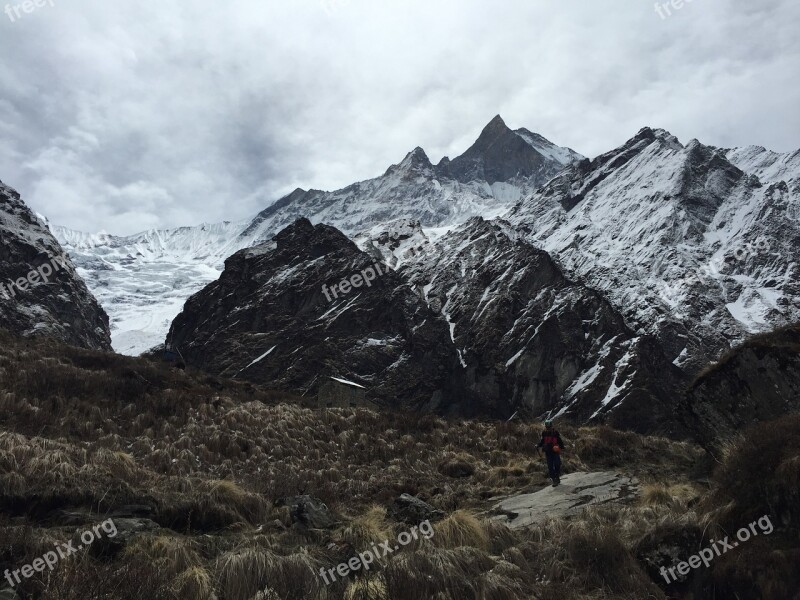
<point>412,510</point>
<point>667,546</point>
<point>310,512</point>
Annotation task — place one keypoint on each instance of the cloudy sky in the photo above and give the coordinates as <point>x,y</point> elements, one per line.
<point>123,116</point>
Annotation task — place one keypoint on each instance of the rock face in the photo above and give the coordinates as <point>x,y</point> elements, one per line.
<point>756,382</point>
<point>667,546</point>
<point>310,512</point>
<point>576,492</point>
<point>268,319</point>
<point>686,241</point>
<point>40,292</point>
<point>484,324</point>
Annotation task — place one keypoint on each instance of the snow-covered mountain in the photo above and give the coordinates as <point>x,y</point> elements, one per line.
<point>768,166</point>
<point>518,276</point>
<point>143,280</point>
<point>695,245</point>
<point>498,170</point>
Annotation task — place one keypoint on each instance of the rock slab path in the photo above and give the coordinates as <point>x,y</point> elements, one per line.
<point>576,492</point>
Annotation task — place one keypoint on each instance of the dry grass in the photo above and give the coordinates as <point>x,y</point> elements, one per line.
<point>194,582</point>
<point>368,588</point>
<point>677,496</point>
<point>366,529</point>
<point>460,529</point>
<point>90,433</point>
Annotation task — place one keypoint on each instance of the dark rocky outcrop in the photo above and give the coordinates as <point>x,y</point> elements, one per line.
<point>268,320</point>
<point>666,547</point>
<point>309,512</point>
<point>532,340</point>
<point>41,293</point>
<point>756,382</point>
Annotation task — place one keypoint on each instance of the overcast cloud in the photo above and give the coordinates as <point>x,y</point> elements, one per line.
<point>123,116</point>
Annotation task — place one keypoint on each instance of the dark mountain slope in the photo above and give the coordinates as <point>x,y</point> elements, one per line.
<point>40,291</point>
<point>756,382</point>
<point>267,320</point>
<point>532,340</point>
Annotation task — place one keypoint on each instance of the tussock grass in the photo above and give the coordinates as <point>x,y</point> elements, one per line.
<point>460,529</point>
<point>435,572</point>
<point>243,573</point>
<point>368,588</point>
<point>745,489</point>
<point>368,528</point>
<point>677,496</point>
<point>170,554</point>
<point>194,582</point>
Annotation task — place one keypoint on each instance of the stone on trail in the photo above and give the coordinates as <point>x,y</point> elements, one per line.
<point>576,492</point>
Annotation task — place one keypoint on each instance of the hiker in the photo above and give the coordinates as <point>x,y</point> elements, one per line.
<point>553,445</point>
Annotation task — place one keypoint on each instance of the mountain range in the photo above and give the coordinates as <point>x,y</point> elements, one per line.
<point>143,279</point>
<point>517,277</point>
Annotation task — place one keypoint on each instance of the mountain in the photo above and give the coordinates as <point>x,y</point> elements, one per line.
<point>500,154</point>
<point>768,166</point>
<point>532,340</point>
<point>143,280</point>
<point>40,292</point>
<point>502,167</point>
<point>694,245</point>
<point>690,247</point>
<point>484,323</point>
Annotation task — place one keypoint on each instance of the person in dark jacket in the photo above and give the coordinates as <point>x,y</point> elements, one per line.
<point>552,445</point>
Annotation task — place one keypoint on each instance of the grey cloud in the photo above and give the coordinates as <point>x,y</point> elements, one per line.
<point>124,116</point>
